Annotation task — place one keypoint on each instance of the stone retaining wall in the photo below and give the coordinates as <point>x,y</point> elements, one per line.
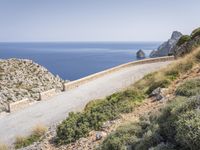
<point>45,95</point>
<point>76,83</point>
<point>18,105</point>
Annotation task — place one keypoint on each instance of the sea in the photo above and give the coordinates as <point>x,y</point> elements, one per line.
<point>74,60</point>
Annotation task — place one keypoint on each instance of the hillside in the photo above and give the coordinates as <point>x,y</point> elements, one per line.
<point>160,111</point>
<point>174,124</point>
<point>127,119</point>
<point>20,78</point>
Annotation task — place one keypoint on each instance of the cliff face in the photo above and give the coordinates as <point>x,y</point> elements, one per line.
<point>187,47</point>
<point>187,43</point>
<point>21,78</point>
<point>166,48</point>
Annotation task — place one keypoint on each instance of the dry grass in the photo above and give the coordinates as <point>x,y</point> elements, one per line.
<point>3,146</point>
<point>39,130</point>
<point>164,77</point>
<point>37,133</point>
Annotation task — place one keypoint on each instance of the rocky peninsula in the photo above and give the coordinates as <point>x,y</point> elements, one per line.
<point>166,48</point>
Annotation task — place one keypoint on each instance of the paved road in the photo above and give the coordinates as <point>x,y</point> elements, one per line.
<point>57,108</point>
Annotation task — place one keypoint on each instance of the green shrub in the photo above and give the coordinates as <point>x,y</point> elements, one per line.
<point>162,132</point>
<point>125,135</point>
<point>188,130</point>
<point>78,125</point>
<point>73,128</point>
<point>150,138</point>
<point>163,146</point>
<point>168,117</point>
<point>183,39</point>
<point>189,88</point>
<point>195,33</point>
<point>160,83</point>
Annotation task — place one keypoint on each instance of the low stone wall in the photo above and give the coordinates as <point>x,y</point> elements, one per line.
<point>70,85</point>
<point>45,95</point>
<point>18,105</point>
<point>76,83</point>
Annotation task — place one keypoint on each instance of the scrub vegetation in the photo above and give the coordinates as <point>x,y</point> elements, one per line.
<point>176,126</point>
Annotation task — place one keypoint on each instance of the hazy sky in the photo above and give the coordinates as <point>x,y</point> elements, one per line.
<point>96,20</point>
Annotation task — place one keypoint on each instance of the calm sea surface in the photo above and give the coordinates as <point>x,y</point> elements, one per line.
<point>75,60</point>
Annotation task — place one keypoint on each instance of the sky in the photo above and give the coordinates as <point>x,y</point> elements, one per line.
<point>96,20</point>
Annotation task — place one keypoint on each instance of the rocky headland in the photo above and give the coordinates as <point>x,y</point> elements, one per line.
<point>21,78</point>
<point>166,48</point>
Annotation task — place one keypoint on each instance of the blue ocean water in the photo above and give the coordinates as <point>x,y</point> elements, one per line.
<point>75,60</point>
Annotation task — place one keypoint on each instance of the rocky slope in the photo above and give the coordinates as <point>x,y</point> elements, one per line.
<point>166,48</point>
<point>187,45</point>
<point>20,78</point>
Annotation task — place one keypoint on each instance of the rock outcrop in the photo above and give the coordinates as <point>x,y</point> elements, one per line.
<point>20,78</point>
<point>187,47</point>
<point>140,54</point>
<point>166,48</point>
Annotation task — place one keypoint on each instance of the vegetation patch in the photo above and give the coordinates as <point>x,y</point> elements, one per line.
<point>149,132</point>
<point>79,124</point>
<point>195,33</point>
<point>176,127</point>
<point>189,88</point>
<point>36,135</point>
<point>183,39</point>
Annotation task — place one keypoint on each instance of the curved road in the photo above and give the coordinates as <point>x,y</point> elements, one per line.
<point>56,109</point>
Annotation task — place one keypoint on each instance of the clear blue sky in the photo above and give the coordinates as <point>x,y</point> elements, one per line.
<point>96,20</point>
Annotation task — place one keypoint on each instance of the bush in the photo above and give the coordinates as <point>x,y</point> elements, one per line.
<point>163,146</point>
<point>189,88</point>
<point>177,127</point>
<point>188,130</point>
<point>36,135</point>
<point>73,128</point>
<point>183,39</point>
<point>78,125</point>
<point>195,33</point>
<point>125,135</point>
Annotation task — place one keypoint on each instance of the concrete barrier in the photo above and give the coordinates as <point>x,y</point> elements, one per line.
<point>76,83</point>
<point>46,94</point>
<point>18,105</point>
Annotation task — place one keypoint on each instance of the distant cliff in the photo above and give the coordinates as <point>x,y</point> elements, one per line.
<point>166,48</point>
<point>20,78</point>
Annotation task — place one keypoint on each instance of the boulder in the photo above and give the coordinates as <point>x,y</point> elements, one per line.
<point>186,47</point>
<point>157,94</point>
<point>140,54</point>
<point>100,135</point>
<point>166,48</point>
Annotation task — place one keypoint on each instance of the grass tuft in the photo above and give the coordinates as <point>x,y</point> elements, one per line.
<point>35,136</point>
